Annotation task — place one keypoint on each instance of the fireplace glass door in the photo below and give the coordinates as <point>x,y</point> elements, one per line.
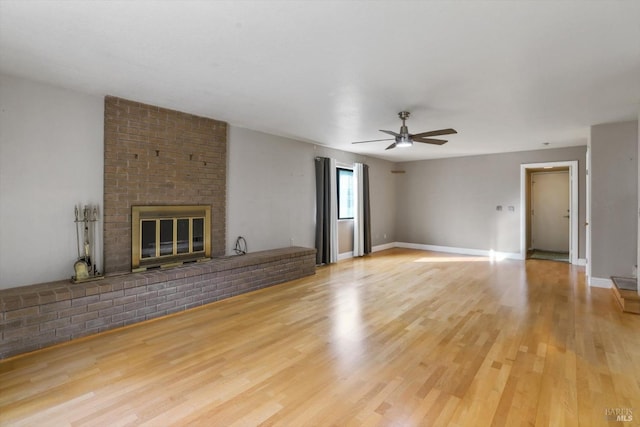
<point>163,235</point>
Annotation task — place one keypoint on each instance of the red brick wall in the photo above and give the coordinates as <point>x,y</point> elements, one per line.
<point>155,156</point>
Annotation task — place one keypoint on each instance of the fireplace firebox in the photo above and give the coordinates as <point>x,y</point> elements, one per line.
<point>166,236</point>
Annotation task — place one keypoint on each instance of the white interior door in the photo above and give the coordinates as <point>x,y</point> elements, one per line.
<point>550,203</point>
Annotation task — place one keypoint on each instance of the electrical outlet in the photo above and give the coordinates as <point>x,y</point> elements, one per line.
<point>384,236</point>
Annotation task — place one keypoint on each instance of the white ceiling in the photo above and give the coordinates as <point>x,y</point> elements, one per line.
<point>508,75</point>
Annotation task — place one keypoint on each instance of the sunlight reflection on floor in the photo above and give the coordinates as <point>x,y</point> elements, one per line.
<point>347,333</point>
<point>463,258</point>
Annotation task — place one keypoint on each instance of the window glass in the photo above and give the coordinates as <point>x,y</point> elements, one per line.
<point>345,193</point>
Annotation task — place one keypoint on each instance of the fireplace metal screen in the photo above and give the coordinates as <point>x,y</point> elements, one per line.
<point>164,236</point>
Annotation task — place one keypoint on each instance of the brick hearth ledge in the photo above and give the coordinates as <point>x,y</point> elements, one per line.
<point>37,316</point>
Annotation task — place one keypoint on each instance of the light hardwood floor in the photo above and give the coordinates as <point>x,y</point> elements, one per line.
<point>400,338</point>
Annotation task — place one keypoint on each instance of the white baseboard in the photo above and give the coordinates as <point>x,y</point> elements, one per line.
<point>345,255</point>
<point>383,247</point>
<point>599,282</point>
<point>461,251</point>
<point>377,248</point>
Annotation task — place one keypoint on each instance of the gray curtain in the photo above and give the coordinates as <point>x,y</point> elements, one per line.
<point>367,209</point>
<point>323,210</point>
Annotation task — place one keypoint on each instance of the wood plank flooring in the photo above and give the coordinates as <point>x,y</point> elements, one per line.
<point>400,338</point>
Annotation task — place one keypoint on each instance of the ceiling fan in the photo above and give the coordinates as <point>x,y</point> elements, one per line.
<point>406,139</point>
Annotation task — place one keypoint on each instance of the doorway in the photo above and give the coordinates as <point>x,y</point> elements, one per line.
<point>549,214</point>
<point>549,217</point>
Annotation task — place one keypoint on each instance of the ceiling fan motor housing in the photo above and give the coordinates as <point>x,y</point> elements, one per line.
<point>404,139</point>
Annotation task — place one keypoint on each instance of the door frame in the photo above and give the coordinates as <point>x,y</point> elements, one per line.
<point>588,217</point>
<point>573,205</point>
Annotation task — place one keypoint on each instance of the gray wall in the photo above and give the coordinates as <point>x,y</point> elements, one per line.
<point>271,191</point>
<point>345,236</point>
<point>51,158</point>
<point>614,200</point>
<point>452,202</point>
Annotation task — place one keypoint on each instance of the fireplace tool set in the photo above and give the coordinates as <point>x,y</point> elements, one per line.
<point>85,267</point>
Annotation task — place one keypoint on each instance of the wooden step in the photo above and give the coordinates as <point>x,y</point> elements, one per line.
<point>628,299</point>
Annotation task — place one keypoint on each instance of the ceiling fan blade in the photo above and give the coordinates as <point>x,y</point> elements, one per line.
<point>429,140</point>
<point>372,140</point>
<point>391,146</point>
<point>434,133</point>
<point>390,132</point>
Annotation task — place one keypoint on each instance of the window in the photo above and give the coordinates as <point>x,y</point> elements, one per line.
<point>345,193</point>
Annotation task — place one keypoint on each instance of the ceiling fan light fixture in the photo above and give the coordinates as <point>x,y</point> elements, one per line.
<point>404,142</point>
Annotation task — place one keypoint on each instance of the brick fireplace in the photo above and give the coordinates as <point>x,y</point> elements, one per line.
<point>153,157</point>
<point>156,156</point>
